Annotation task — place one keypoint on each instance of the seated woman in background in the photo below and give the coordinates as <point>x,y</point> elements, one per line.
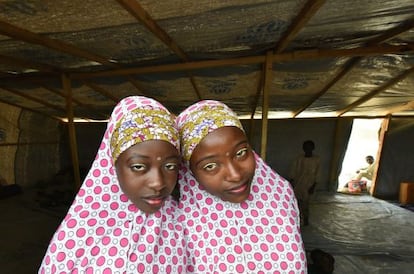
<point>240,216</point>
<point>358,184</point>
<point>123,219</point>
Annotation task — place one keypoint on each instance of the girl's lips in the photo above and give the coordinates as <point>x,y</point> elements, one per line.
<point>239,189</point>
<point>155,201</point>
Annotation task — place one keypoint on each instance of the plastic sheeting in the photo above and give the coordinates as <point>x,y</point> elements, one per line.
<point>397,159</point>
<point>364,234</point>
<point>211,30</point>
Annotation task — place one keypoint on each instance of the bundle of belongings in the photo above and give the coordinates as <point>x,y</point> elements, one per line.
<point>357,186</point>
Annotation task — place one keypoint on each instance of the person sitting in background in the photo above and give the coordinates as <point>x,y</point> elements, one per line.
<point>368,171</point>
<point>357,185</point>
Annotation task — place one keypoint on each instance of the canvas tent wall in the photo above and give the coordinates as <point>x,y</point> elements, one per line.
<point>30,147</point>
<point>397,159</point>
<point>31,152</point>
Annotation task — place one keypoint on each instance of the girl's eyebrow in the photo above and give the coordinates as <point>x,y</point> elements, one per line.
<point>213,156</point>
<point>137,155</point>
<point>205,158</point>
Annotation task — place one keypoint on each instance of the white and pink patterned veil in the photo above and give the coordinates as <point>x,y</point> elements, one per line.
<point>103,231</point>
<point>259,235</point>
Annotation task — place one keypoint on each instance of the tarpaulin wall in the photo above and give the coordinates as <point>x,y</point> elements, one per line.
<point>37,155</point>
<point>285,139</point>
<point>397,159</point>
<point>9,132</point>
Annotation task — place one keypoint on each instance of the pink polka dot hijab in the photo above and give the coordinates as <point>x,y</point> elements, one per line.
<point>103,231</point>
<point>259,235</point>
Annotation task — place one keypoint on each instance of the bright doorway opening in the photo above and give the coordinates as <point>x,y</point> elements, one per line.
<point>362,142</point>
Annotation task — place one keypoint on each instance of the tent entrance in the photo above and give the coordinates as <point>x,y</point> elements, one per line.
<point>363,141</point>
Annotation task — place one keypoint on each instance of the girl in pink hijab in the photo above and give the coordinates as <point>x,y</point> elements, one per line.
<point>240,216</point>
<point>123,219</point>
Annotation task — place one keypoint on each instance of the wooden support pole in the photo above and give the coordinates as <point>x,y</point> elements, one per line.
<point>382,135</point>
<point>72,132</point>
<point>265,103</point>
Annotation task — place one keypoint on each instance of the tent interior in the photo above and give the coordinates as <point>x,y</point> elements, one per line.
<point>292,69</point>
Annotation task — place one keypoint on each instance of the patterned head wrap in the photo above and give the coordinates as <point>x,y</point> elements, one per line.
<point>103,231</point>
<point>201,118</point>
<point>144,119</point>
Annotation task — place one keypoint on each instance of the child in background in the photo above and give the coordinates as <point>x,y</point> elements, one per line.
<point>123,219</point>
<point>304,174</point>
<point>240,216</point>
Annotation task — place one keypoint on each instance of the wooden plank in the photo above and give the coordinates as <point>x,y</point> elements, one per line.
<point>34,38</point>
<point>21,63</point>
<point>382,137</point>
<point>308,11</point>
<point>72,131</point>
<point>403,107</point>
<point>389,34</point>
<point>260,87</point>
<point>354,61</point>
<point>102,91</point>
<point>31,98</point>
<point>371,94</point>
<point>251,60</point>
<point>265,104</point>
<point>28,143</point>
<point>136,10</point>
<point>342,72</point>
<point>196,89</point>
<point>30,110</point>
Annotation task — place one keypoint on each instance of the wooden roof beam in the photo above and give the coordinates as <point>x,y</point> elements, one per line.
<point>343,71</point>
<point>258,59</point>
<point>21,63</point>
<point>77,102</point>
<point>31,98</point>
<point>136,10</point>
<point>368,96</point>
<point>57,45</point>
<point>34,38</point>
<point>403,107</point>
<point>355,60</point>
<point>29,109</point>
<point>387,35</point>
<point>308,11</point>
<point>102,91</point>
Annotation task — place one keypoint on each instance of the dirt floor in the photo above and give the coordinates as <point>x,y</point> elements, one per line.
<point>364,234</point>
<point>26,228</point>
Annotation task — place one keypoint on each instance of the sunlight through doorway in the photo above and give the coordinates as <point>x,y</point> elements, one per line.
<point>362,142</point>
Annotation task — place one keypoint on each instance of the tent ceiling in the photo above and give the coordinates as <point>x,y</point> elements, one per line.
<point>308,58</point>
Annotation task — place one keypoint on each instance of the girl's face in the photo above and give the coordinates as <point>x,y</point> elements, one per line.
<point>224,164</point>
<point>147,173</point>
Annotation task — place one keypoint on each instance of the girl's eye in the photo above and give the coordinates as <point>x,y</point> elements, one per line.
<point>171,166</point>
<point>209,166</point>
<point>138,167</point>
<point>242,152</point>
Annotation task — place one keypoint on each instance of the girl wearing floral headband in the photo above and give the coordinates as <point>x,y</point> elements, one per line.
<point>123,219</point>
<point>240,216</point>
